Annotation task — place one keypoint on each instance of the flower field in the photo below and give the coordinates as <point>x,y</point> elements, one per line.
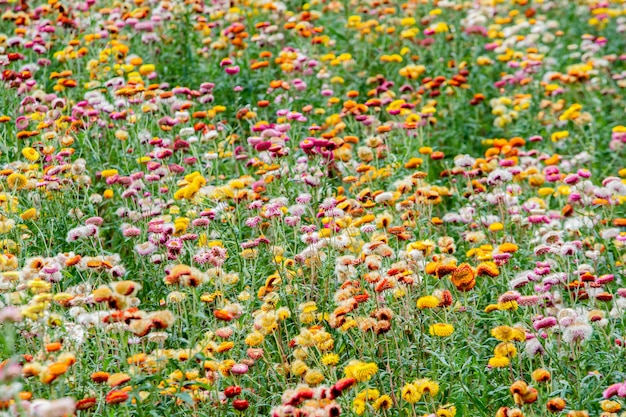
<point>313,209</point>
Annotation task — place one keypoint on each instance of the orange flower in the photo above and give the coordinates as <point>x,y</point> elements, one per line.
<point>223,315</point>
<point>541,375</point>
<point>116,397</point>
<point>555,405</point>
<point>58,368</point>
<point>508,248</point>
<point>53,347</point>
<point>26,395</point>
<point>100,376</point>
<point>437,155</point>
<point>443,270</point>
<point>73,260</point>
<point>86,403</point>
<point>118,379</point>
<point>463,277</point>
<point>487,268</point>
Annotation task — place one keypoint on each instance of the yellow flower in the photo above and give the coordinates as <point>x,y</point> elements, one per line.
<point>496,227</point>
<point>313,377</point>
<point>330,359</point>
<point>499,362</point>
<point>410,393</point>
<point>29,214</point>
<point>428,301</point>
<point>39,286</point>
<point>358,406</point>
<point>108,173</point>
<point>571,113</point>
<point>283,313</point>
<point>541,375</point>
<point>254,339</point>
<point>17,181</point>
<point>31,154</point>
<point>383,402</point>
<point>490,308</point>
<point>298,367</point>
<point>506,334</point>
<point>508,305</point>
<point>441,329</point>
<point>146,69</point>
<point>505,349</point>
<point>447,410</point>
<point>426,386</point>
<point>610,406</point>
<point>364,371</point>
<point>558,136</point>
<point>425,150</point>
<point>368,394</point>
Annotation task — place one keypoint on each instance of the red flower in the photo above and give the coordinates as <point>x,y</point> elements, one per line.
<point>232,391</point>
<point>241,405</point>
<point>341,385</point>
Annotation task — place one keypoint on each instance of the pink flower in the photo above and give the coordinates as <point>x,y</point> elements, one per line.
<point>544,323</point>
<point>254,353</point>
<point>615,389</point>
<point>239,369</point>
<point>232,70</point>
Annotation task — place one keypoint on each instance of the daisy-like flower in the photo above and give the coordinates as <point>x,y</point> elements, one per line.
<point>411,393</point>
<point>499,362</point>
<point>427,301</point>
<point>441,329</point>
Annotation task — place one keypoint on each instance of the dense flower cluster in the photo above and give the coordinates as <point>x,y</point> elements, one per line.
<point>322,208</point>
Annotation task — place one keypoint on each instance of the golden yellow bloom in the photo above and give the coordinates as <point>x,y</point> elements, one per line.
<point>428,301</point>
<point>108,173</point>
<point>410,393</point>
<point>383,402</point>
<point>558,136</point>
<point>29,214</point>
<point>426,386</point>
<point>441,329</point>
<point>505,349</point>
<point>17,181</point>
<point>508,305</point>
<point>490,308</point>
<point>330,359</point>
<point>313,377</point>
<point>361,371</point>
<point>254,339</point>
<point>358,406</point>
<point>507,333</point>
<point>368,394</point>
<point>496,227</point>
<point>610,406</point>
<point>499,362</point>
<point>298,367</point>
<point>31,154</point>
<point>447,410</point>
<point>487,268</point>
